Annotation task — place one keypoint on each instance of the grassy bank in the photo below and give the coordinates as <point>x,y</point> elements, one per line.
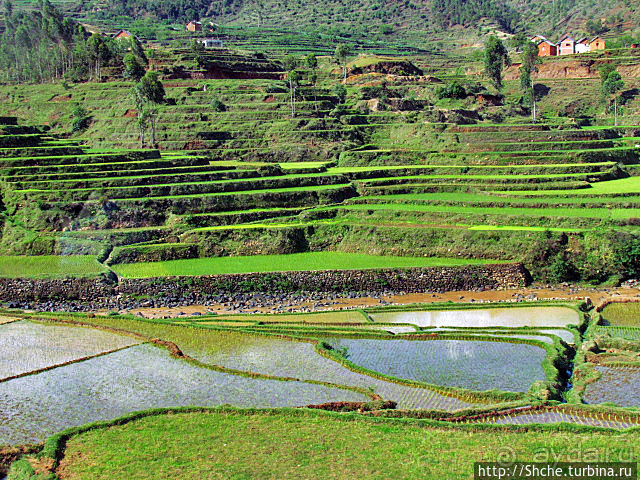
<point>286,445</point>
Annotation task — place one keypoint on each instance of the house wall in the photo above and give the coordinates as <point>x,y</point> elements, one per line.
<point>582,48</point>
<point>567,47</point>
<point>597,44</point>
<point>547,50</point>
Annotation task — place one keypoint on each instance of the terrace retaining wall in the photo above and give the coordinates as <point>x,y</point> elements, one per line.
<point>436,279</point>
<point>198,289</point>
<point>26,290</point>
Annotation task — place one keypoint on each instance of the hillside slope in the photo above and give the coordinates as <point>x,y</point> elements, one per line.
<point>360,18</point>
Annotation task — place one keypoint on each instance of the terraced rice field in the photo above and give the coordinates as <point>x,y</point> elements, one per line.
<point>628,333</point>
<point>622,314</point>
<point>558,415</point>
<point>253,175</point>
<point>475,365</point>
<point>141,377</point>
<point>272,356</point>
<point>618,385</point>
<point>50,266</point>
<point>28,346</point>
<point>276,263</point>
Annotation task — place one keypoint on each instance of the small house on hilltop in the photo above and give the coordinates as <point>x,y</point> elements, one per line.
<point>546,48</point>
<point>123,34</point>
<point>194,26</point>
<point>597,43</point>
<point>211,43</point>
<point>567,45</point>
<point>582,45</point>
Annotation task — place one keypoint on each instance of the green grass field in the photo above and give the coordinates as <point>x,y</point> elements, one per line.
<point>280,263</point>
<point>50,266</point>
<point>313,446</point>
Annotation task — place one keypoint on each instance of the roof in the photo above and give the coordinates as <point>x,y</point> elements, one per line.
<point>544,40</point>
<point>566,37</point>
<point>583,40</point>
<point>126,32</point>
<point>194,23</point>
<point>597,37</point>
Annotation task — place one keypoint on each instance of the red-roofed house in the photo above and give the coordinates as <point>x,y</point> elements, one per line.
<point>123,34</point>
<point>194,26</point>
<point>547,48</point>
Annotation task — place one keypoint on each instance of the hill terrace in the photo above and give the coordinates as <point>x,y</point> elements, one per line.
<point>567,45</point>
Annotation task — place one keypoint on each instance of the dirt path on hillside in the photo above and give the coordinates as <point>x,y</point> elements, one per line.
<point>597,296</point>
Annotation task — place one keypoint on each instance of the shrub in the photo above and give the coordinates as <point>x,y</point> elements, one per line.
<point>80,118</point>
<point>451,90</point>
<point>217,105</point>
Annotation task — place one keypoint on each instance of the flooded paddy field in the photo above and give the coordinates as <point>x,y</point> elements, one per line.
<point>471,364</point>
<point>279,357</point>
<point>628,333</point>
<point>619,385</point>
<point>137,378</point>
<point>560,416</point>
<point>28,346</point>
<point>483,318</point>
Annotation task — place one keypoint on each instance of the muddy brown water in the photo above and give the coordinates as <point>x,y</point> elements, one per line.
<point>597,296</point>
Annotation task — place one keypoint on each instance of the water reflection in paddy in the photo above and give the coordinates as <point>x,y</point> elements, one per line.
<point>140,377</point>
<point>473,364</point>
<point>481,318</point>
<point>275,356</point>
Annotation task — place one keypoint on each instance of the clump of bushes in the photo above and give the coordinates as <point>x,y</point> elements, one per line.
<point>595,257</point>
<point>217,105</point>
<point>451,90</point>
<point>80,118</point>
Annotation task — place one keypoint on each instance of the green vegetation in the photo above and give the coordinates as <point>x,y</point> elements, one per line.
<point>622,314</point>
<point>50,266</point>
<point>278,263</point>
<point>293,444</point>
<point>335,143</point>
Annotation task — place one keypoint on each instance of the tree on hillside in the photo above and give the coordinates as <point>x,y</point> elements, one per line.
<point>294,82</point>
<point>610,87</point>
<point>495,59</point>
<point>143,123</point>
<point>150,88</point>
<point>290,63</point>
<point>148,93</point>
<point>595,27</point>
<point>8,8</point>
<point>518,42</point>
<point>133,67</point>
<point>530,61</point>
<point>99,53</point>
<point>312,64</point>
<point>341,55</point>
<point>40,45</point>
<point>138,50</point>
